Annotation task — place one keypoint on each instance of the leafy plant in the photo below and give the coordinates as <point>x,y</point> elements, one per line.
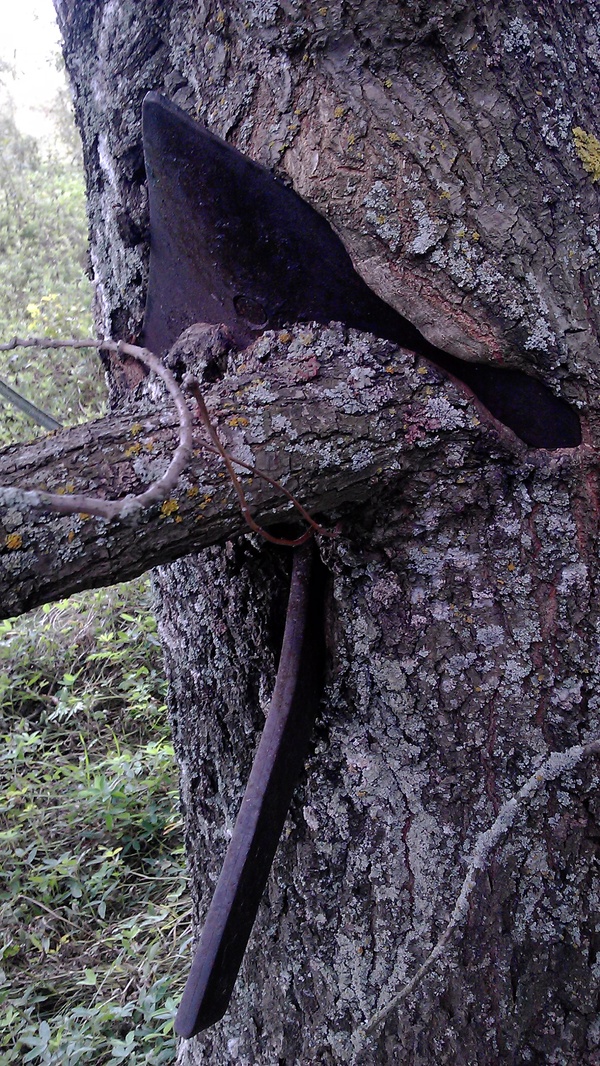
<point>93,909</point>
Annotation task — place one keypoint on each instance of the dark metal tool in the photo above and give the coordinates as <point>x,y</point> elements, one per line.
<point>277,764</point>
<point>201,271</point>
<point>29,409</point>
<point>231,244</point>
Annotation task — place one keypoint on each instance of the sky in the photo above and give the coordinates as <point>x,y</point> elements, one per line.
<point>29,41</point>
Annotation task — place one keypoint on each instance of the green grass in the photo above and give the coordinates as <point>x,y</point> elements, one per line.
<point>93,909</point>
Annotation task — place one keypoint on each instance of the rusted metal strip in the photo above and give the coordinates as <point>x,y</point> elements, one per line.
<point>279,760</point>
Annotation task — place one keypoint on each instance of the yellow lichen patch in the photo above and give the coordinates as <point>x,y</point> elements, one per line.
<point>84,516</point>
<point>511,567</point>
<point>339,111</point>
<point>192,492</point>
<point>393,138</point>
<point>133,449</point>
<point>71,536</point>
<point>588,149</point>
<point>69,487</point>
<point>388,83</point>
<point>475,235</point>
<point>285,337</point>
<point>390,369</point>
<point>422,370</point>
<point>168,508</point>
<point>237,420</point>
<point>178,518</point>
<point>136,428</point>
<point>14,541</point>
<point>149,445</point>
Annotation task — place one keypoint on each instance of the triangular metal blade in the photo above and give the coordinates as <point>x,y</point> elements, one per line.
<point>231,244</point>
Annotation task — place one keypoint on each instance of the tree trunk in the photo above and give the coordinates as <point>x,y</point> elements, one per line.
<point>462,606</point>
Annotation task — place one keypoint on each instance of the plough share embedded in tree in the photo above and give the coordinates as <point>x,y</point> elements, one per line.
<point>231,244</point>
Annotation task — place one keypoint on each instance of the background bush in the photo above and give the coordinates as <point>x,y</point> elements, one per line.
<point>93,913</point>
<point>44,288</point>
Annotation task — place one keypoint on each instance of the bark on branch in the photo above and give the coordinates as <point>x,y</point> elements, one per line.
<point>158,491</point>
<point>292,409</point>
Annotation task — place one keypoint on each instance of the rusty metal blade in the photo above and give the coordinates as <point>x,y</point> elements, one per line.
<point>278,762</point>
<point>231,244</point>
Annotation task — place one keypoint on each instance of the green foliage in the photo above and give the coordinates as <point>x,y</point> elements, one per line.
<point>93,911</point>
<point>44,289</point>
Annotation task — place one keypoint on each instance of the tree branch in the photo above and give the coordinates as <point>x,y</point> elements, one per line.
<point>329,412</point>
<point>93,505</point>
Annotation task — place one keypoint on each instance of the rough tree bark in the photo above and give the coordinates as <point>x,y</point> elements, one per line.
<point>388,407</point>
<point>462,606</point>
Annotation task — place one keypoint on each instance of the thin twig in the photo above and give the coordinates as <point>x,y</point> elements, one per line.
<point>44,907</point>
<point>109,509</point>
<point>556,764</point>
<point>53,342</point>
